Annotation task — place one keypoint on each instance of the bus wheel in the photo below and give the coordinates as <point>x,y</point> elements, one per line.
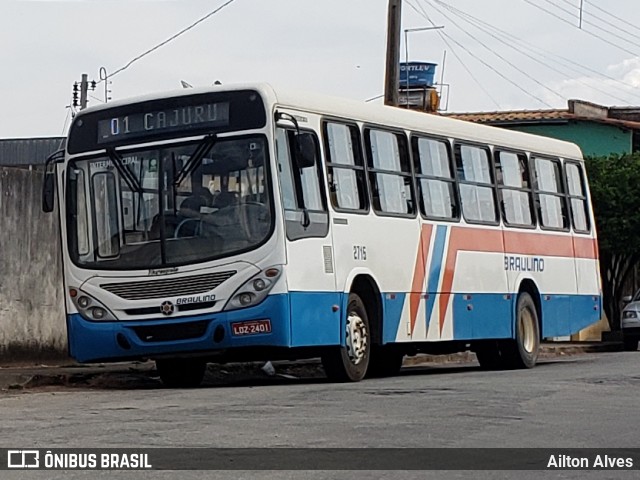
<point>523,351</point>
<point>181,372</point>
<point>349,363</point>
<point>385,361</point>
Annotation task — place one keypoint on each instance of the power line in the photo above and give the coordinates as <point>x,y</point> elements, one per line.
<point>501,57</point>
<point>171,38</point>
<point>455,54</point>
<point>606,22</point>
<point>593,5</point>
<point>582,30</point>
<point>513,42</point>
<point>548,54</point>
<point>584,20</point>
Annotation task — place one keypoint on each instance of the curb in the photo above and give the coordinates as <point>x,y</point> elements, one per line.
<point>140,375</point>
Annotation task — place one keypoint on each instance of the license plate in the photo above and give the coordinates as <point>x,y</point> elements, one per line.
<point>252,327</point>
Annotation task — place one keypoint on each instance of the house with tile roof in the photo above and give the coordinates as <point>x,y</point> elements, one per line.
<point>597,129</point>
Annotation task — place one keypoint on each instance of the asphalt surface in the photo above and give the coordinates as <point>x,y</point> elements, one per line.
<point>66,373</point>
<point>572,401</point>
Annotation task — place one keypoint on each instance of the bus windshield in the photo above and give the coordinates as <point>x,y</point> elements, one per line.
<point>169,205</point>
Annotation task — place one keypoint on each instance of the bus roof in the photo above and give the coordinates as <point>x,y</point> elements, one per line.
<point>381,115</point>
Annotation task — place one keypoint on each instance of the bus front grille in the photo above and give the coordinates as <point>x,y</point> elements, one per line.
<point>168,287</point>
<point>170,333</point>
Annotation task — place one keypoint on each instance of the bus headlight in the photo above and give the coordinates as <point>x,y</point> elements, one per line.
<point>90,308</point>
<point>254,290</point>
<point>84,302</point>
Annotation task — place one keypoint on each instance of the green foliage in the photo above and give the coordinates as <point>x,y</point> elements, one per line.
<point>615,194</point>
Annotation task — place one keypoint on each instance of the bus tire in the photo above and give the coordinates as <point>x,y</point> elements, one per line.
<point>181,372</point>
<point>349,363</point>
<point>522,352</point>
<point>630,343</point>
<point>385,361</point>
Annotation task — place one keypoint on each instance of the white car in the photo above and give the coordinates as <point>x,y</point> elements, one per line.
<point>630,322</point>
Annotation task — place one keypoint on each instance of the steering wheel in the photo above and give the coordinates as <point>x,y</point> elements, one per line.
<point>251,229</point>
<point>198,226</point>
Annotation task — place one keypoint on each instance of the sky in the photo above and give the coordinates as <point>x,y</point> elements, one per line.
<point>493,54</point>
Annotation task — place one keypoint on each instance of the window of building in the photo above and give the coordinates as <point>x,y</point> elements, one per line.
<point>345,167</point>
<point>577,198</point>
<point>512,175</point>
<point>390,173</point>
<point>477,193</point>
<point>434,174</point>
<point>550,194</point>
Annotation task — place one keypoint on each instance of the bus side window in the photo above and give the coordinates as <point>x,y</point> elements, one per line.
<point>476,184</point>
<point>305,206</point>
<point>550,194</point>
<point>390,173</point>
<point>577,198</point>
<point>345,167</point>
<point>436,182</point>
<point>512,174</point>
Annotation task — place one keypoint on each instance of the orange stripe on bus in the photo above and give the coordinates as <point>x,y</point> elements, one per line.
<point>521,243</point>
<point>417,286</point>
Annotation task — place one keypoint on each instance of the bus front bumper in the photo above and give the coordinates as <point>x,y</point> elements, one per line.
<point>112,341</point>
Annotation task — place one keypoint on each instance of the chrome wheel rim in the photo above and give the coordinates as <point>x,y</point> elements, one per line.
<point>357,338</point>
<point>527,330</point>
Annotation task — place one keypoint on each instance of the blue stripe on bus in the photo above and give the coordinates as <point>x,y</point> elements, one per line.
<point>307,319</point>
<point>567,314</point>
<point>392,306</point>
<point>478,315</point>
<point>482,315</point>
<point>313,319</point>
<point>435,269</point>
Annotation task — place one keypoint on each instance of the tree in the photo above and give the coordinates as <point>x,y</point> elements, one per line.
<point>615,194</point>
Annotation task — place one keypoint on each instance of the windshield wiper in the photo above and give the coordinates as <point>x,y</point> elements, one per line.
<point>124,171</point>
<point>196,158</point>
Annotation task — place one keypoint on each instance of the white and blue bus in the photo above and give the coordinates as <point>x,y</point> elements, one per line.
<point>248,223</point>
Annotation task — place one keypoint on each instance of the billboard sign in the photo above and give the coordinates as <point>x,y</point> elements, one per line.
<point>417,74</point>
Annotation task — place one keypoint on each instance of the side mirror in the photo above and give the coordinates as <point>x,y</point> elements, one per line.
<point>306,151</point>
<point>627,298</point>
<point>49,181</point>
<point>48,192</point>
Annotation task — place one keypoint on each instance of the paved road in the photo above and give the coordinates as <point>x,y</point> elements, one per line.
<point>581,401</point>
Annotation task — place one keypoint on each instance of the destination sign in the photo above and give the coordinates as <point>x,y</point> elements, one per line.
<point>161,121</point>
<point>166,118</point>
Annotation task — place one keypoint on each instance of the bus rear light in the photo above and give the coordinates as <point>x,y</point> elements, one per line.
<point>73,293</point>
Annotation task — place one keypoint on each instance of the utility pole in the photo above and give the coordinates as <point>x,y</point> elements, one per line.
<point>581,4</point>
<point>82,88</point>
<point>392,75</point>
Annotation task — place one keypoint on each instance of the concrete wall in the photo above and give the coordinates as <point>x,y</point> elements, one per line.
<point>594,139</point>
<point>32,321</point>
